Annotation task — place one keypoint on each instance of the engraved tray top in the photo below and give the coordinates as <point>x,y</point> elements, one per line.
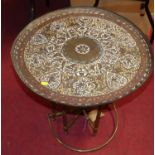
<point>82,56</point>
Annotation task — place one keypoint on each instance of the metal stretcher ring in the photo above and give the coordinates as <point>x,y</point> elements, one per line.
<point>88,149</point>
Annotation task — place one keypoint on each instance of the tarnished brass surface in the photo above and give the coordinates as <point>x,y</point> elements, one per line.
<point>82,56</point>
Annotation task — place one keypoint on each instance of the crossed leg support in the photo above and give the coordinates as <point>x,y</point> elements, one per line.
<point>93,124</point>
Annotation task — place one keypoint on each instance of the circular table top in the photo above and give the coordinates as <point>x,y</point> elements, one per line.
<point>82,56</point>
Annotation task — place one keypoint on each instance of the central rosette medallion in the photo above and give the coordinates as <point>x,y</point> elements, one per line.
<point>82,50</point>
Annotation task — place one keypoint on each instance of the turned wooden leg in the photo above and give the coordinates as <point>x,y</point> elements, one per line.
<point>65,124</point>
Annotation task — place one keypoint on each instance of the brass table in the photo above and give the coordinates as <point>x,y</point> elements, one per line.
<point>84,58</point>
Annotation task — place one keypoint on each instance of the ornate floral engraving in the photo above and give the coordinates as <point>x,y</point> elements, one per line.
<point>118,62</point>
<point>53,79</point>
<point>93,54</point>
<point>84,87</point>
<point>82,49</point>
<point>36,60</point>
<point>38,39</point>
<point>129,61</point>
<point>115,81</point>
